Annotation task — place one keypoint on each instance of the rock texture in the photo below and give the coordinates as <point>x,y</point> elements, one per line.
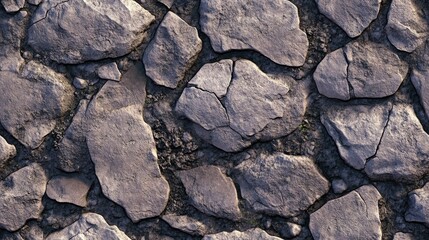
<point>7,151</point>
<point>407,31</point>
<point>251,234</point>
<point>67,189</point>
<point>172,51</point>
<point>360,70</point>
<point>33,101</point>
<point>109,71</point>
<point>353,216</point>
<point>77,31</point>
<point>418,210</point>
<point>420,80</point>
<point>266,189</point>
<point>89,226</point>
<point>241,91</point>
<point>211,191</point>
<point>352,16</point>
<point>271,28</point>
<point>13,30</point>
<point>21,197</point>
<point>12,5</point>
<point>185,224</point>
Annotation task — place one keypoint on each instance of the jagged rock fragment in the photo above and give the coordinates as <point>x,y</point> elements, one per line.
<point>7,151</point>
<point>109,71</point>
<point>65,189</point>
<point>12,5</point>
<point>185,224</point>
<point>418,205</point>
<point>251,234</point>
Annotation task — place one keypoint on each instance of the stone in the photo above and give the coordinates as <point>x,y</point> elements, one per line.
<point>360,70</point>
<point>12,30</point>
<point>353,216</point>
<point>403,153</point>
<point>21,197</point>
<point>109,71</point>
<point>339,186</point>
<point>89,226</point>
<point>73,31</point>
<point>251,234</point>
<point>34,2</point>
<point>7,151</point>
<point>331,76</point>
<point>352,16</point>
<point>356,130</point>
<point>203,79</point>
<point>293,230</point>
<point>271,28</point>
<point>80,83</point>
<point>31,231</point>
<point>407,26</point>
<point>124,154</point>
<point>172,51</point>
<point>420,80</point>
<point>33,101</point>
<point>211,191</point>
<point>403,236</point>
<point>167,3</point>
<point>418,205</point>
<point>12,5</point>
<point>68,189</point>
<point>280,184</point>
<point>185,224</point>
<point>203,108</point>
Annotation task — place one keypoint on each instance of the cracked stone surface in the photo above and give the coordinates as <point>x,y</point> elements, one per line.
<point>172,51</point>
<point>353,216</point>
<point>235,25</point>
<point>21,198</point>
<point>263,185</point>
<point>89,226</point>
<point>360,70</point>
<point>104,30</point>
<point>242,91</point>
<point>418,205</point>
<point>7,151</point>
<point>32,101</point>
<point>255,233</point>
<point>407,31</point>
<point>68,189</point>
<point>211,191</point>
<point>352,16</point>
<point>185,224</point>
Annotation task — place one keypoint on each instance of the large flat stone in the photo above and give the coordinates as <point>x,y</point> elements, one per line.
<point>251,234</point>
<point>418,205</point>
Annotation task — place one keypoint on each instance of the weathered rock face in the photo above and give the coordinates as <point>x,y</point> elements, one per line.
<point>11,33</point>
<point>264,186</point>
<point>356,130</point>
<point>211,191</point>
<point>89,226</point>
<point>403,153</point>
<point>251,234</point>
<point>12,5</point>
<point>418,210</point>
<point>7,150</point>
<point>352,16</point>
<point>66,189</point>
<point>172,51</point>
<point>21,197</point>
<point>109,71</point>
<point>407,31</point>
<point>371,70</point>
<point>32,101</point>
<point>123,149</point>
<point>185,224</point>
<point>353,216</point>
<point>77,31</point>
<point>234,106</point>
<point>271,28</point>
<point>403,236</point>
<point>420,80</point>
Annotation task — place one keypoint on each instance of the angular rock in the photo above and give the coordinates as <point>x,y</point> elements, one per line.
<point>331,76</point>
<point>67,189</point>
<point>34,2</point>
<point>167,3</point>
<point>12,31</point>
<point>251,234</point>
<point>12,5</point>
<point>352,16</point>
<point>109,71</point>
<point>293,230</point>
<point>185,224</point>
<point>266,189</point>
<point>420,80</point>
<point>339,186</point>
<point>7,151</point>
<point>407,26</point>
<point>32,102</point>
<point>418,205</point>
<point>80,83</point>
<point>203,108</point>
<point>204,80</point>
<point>21,197</point>
<point>403,236</point>
<point>73,32</point>
<point>271,28</point>
<point>89,226</point>
<point>172,51</point>
<point>353,216</point>
<point>356,130</point>
<point>403,153</point>
<point>211,191</point>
